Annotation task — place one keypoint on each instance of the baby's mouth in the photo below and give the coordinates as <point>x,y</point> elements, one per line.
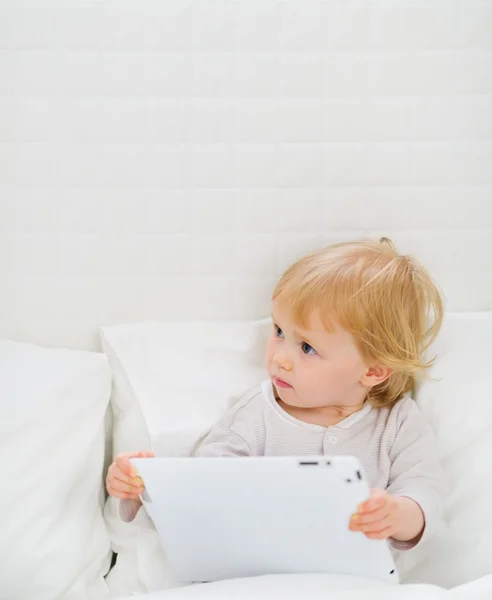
<point>278,382</point>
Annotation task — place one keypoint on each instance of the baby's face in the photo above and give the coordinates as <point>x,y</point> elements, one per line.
<point>313,368</point>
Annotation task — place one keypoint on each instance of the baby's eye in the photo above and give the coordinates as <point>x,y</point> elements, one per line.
<point>307,348</point>
<point>278,332</point>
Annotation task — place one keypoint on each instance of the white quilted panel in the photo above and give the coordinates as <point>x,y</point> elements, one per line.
<point>167,159</point>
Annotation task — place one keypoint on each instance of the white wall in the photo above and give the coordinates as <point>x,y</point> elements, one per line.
<point>167,159</point>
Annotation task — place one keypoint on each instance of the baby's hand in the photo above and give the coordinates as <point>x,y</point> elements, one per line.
<point>122,480</point>
<point>379,517</point>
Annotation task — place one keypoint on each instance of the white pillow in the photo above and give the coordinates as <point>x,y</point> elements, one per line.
<point>457,400</point>
<point>53,540</point>
<point>172,381</point>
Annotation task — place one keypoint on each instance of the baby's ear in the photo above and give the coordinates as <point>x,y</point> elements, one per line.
<point>375,375</point>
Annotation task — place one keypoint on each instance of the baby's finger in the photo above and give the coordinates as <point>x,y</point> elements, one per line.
<point>383,534</point>
<point>120,486</point>
<point>125,486</point>
<point>116,471</point>
<point>377,500</point>
<point>367,518</point>
<point>124,465</point>
<point>374,527</point>
<point>135,482</point>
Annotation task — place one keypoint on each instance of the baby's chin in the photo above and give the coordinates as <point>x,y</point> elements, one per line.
<point>290,398</point>
<point>280,394</point>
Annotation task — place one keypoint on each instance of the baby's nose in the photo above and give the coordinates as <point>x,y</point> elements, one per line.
<point>281,360</point>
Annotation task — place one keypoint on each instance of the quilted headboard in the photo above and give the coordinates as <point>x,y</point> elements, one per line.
<point>167,159</point>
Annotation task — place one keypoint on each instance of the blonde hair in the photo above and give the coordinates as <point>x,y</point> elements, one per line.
<point>388,302</point>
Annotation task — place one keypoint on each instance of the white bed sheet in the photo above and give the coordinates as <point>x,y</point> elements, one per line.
<point>328,587</point>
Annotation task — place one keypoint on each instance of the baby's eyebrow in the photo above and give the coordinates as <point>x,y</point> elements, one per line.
<point>297,333</point>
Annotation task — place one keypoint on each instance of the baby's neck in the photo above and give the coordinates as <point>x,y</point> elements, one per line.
<point>326,416</point>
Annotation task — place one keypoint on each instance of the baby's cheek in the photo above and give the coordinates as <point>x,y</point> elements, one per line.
<point>320,378</point>
<point>269,355</point>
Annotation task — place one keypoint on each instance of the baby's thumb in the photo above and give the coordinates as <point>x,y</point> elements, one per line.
<point>147,454</point>
<point>377,499</point>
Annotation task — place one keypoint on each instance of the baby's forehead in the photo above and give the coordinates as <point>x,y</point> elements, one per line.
<point>307,322</point>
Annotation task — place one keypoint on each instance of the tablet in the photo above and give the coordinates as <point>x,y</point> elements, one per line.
<point>220,518</point>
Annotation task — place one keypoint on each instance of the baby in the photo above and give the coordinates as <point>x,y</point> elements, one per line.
<point>351,323</point>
